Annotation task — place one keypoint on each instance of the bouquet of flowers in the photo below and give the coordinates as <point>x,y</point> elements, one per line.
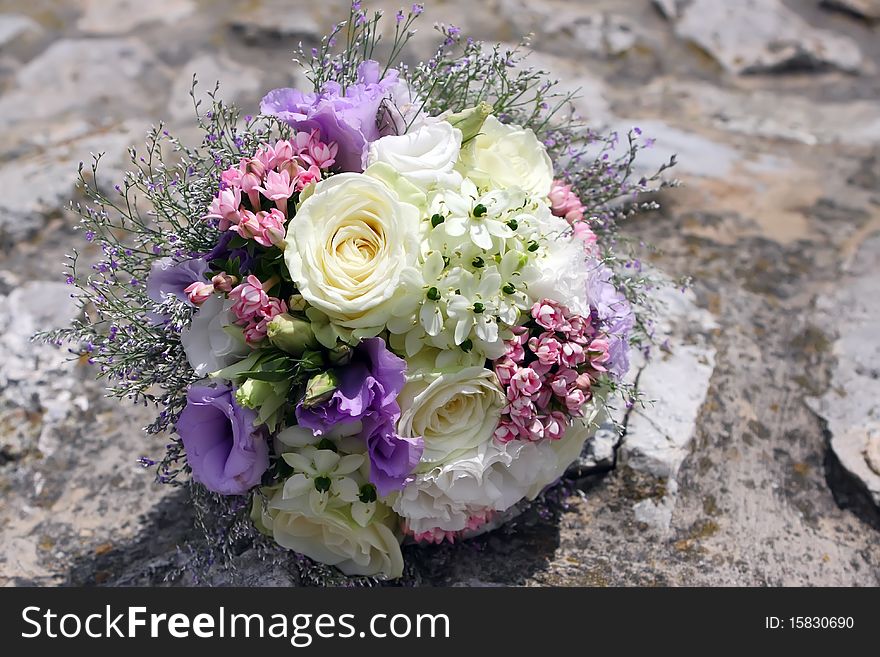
<point>384,309</point>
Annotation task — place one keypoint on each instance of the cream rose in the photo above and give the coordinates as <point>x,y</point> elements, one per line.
<point>509,156</point>
<point>334,537</point>
<point>452,411</point>
<point>426,156</point>
<point>348,246</point>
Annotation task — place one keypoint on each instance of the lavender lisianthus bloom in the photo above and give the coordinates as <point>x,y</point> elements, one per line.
<point>615,315</point>
<point>348,118</point>
<point>367,394</point>
<point>170,278</point>
<point>226,452</point>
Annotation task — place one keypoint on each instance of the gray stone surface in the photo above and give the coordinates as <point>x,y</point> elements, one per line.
<point>757,36</point>
<point>121,16</point>
<point>851,405</point>
<point>729,480</point>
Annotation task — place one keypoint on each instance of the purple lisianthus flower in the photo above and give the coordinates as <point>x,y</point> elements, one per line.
<point>226,452</point>
<point>170,278</point>
<point>349,118</point>
<point>367,394</point>
<point>615,316</point>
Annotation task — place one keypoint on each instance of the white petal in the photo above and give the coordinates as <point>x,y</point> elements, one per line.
<point>325,461</point>
<point>363,512</point>
<point>297,436</point>
<point>299,462</point>
<point>345,489</point>
<point>348,464</point>
<point>318,501</point>
<point>296,486</point>
<point>480,235</point>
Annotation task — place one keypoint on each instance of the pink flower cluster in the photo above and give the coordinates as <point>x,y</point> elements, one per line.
<point>437,535</point>
<point>253,308</point>
<point>548,371</point>
<point>198,292</point>
<point>276,172</point>
<point>565,203</point>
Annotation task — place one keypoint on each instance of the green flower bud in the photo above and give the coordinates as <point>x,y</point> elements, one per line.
<point>253,393</point>
<point>291,334</point>
<point>319,389</point>
<point>470,121</point>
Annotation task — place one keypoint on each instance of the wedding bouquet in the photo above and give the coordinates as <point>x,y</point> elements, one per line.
<point>385,309</point>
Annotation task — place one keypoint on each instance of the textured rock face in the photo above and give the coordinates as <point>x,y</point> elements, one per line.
<point>851,405</point>
<point>730,478</point>
<point>759,36</point>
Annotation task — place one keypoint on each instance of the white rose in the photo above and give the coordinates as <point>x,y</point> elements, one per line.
<point>509,156</point>
<point>448,494</point>
<point>333,537</point>
<point>425,156</point>
<point>492,476</point>
<point>212,341</point>
<point>452,411</point>
<point>348,246</point>
<point>563,275</point>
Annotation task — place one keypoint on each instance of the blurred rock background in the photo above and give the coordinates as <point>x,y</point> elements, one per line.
<point>759,463</point>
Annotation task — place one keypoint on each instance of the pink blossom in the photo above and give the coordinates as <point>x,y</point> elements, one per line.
<point>584,381</point>
<point>248,226</point>
<point>534,429</point>
<point>555,425</point>
<point>223,282</point>
<point>572,354</point>
<point>273,307</point>
<point>278,187</point>
<point>224,208</point>
<point>198,292</point>
<point>546,348</point>
<point>271,228</point>
<point>253,171</point>
<point>574,400</point>
<point>583,232</point>
<point>505,368</point>
<point>565,203</point>
<point>521,410</point>
<point>563,381</point>
<point>306,177</point>
<point>514,351</point>
<point>249,298</point>
<point>231,177</point>
<point>282,151</point>
<point>550,315</point>
<point>301,141</point>
<point>542,399</point>
<point>321,155</point>
<point>598,353</point>
<point>256,331</point>
<point>579,329</point>
<point>521,333</point>
<point>524,382</point>
<point>506,432</point>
